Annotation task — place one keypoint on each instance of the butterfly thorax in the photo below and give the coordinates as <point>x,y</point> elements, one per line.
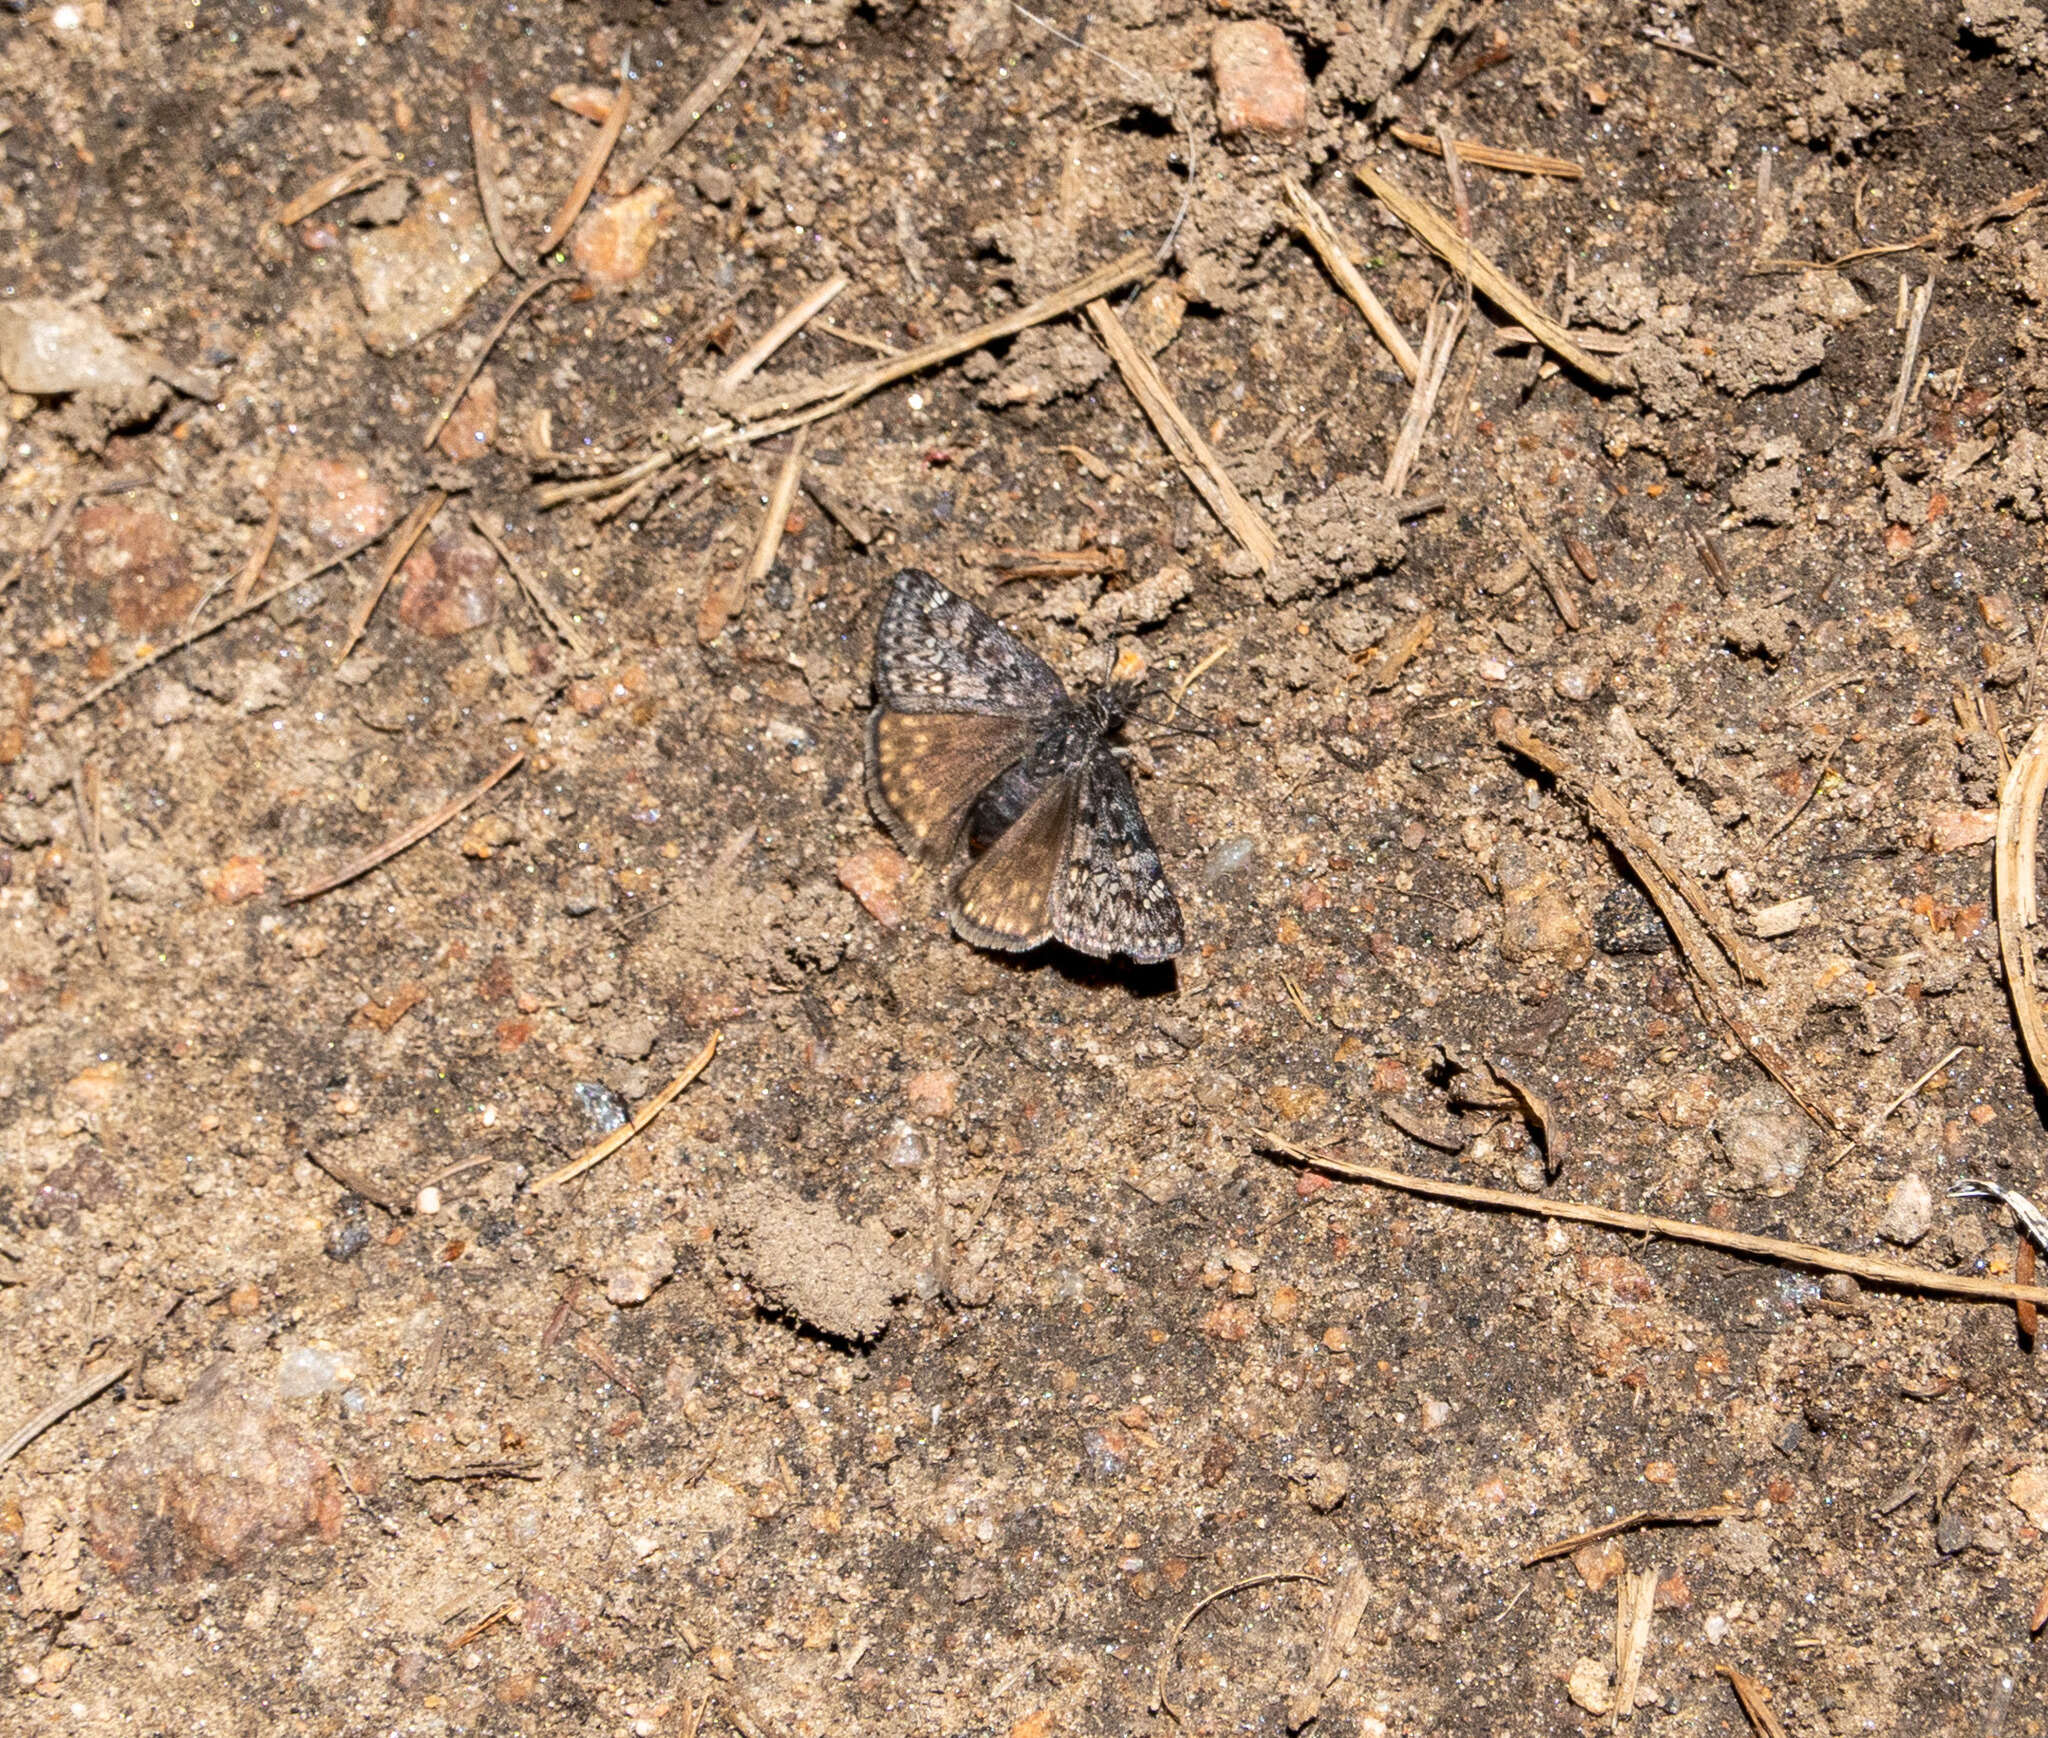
<point>1071,734</point>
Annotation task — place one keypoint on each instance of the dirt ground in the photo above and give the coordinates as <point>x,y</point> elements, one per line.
<point>952,1334</point>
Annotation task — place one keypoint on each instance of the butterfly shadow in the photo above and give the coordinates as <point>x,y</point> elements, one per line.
<point>1145,981</point>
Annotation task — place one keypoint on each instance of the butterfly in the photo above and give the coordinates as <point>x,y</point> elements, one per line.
<point>975,741</point>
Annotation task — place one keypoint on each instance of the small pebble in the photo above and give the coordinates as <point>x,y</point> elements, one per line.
<point>903,1147</point>
<point>1260,85</point>
<point>1627,923</point>
<point>630,1040</point>
<point>467,433</point>
<point>1908,1213</point>
<point>450,588</point>
<point>1229,858</point>
<point>600,1105</point>
<point>428,1201</point>
<point>613,242</point>
<point>875,877</point>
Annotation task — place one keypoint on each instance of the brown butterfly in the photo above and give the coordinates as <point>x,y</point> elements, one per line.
<point>975,741</point>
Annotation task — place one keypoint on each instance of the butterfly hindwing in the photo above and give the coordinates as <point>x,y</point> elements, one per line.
<point>935,652</point>
<point>1110,894</point>
<point>1004,900</point>
<point>926,769</point>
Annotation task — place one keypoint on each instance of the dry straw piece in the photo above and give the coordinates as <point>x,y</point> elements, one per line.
<point>1437,233</point>
<point>2012,870</point>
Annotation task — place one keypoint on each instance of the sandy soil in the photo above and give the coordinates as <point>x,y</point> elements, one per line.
<point>951,1335</point>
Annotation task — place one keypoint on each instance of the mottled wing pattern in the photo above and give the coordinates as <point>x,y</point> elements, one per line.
<point>925,770</point>
<point>1110,894</point>
<point>1004,900</point>
<point>935,652</point>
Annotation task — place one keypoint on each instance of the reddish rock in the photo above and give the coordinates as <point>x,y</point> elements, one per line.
<point>450,587</point>
<point>1260,87</point>
<point>875,877</point>
<point>932,1092</point>
<point>467,433</point>
<point>220,1482</point>
<point>416,276</point>
<point>237,879</point>
<point>612,242</point>
<point>136,555</point>
<point>337,501</point>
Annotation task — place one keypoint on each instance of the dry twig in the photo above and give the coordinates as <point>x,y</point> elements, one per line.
<point>408,534</point>
<point>483,140</point>
<point>492,531</point>
<point>1323,235</point>
<point>1873,1268</point>
<point>779,334</point>
<point>593,166</point>
<point>352,178</point>
<point>1629,1524</point>
<point>1443,239</point>
<point>1160,1703</point>
<point>2012,863</point>
<point>69,1401</point>
<point>1755,1704</point>
<point>1922,297</point>
<point>1439,338</point>
<point>1347,1611</point>
<point>407,839</point>
<point>621,1135</point>
<point>259,556</point>
<point>1635,1601</point>
<point>1492,156</point>
<point>475,365</point>
<point>781,498</point>
<point>695,106</point>
<point>99,690</point>
<point>1201,466</point>
<point>843,389</point>
<point>85,793</point>
<point>2006,209</point>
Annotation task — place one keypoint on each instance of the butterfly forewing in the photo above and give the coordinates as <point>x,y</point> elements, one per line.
<point>926,769</point>
<point>935,652</point>
<point>1110,894</point>
<point>1005,899</point>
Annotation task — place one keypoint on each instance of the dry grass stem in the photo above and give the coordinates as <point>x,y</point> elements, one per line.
<point>1331,248</point>
<point>259,557</point>
<point>848,387</point>
<point>848,518</point>
<point>1160,1704</point>
<point>695,107</point>
<point>592,1348</point>
<point>1870,1129</point>
<point>1347,1611</point>
<point>1635,1602</point>
<point>1922,297</point>
<point>860,340</point>
<point>2012,869</point>
<point>779,334</point>
<point>475,365</point>
<point>1614,819</point>
<point>1629,1524</point>
<point>590,488</point>
<point>1492,156</point>
<point>354,178</point>
<point>69,1401</point>
<point>780,499</point>
<point>1686,50</point>
<point>1396,652</point>
<point>99,690</point>
<point>2005,210</point>
<point>1442,239</point>
<point>1440,337</point>
<point>1454,173</point>
<point>483,144</point>
<point>1054,563</point>
<point>477,1628</point>
<point>410,837</point>
<point>1755,1700</point>
<point>1190,451</point>
<point>1873,1268</point>
<point>621,1135</point>
<point>593,166</point>
<point>544,602</point>
<point>409,533</point>
<point>85,792</point>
